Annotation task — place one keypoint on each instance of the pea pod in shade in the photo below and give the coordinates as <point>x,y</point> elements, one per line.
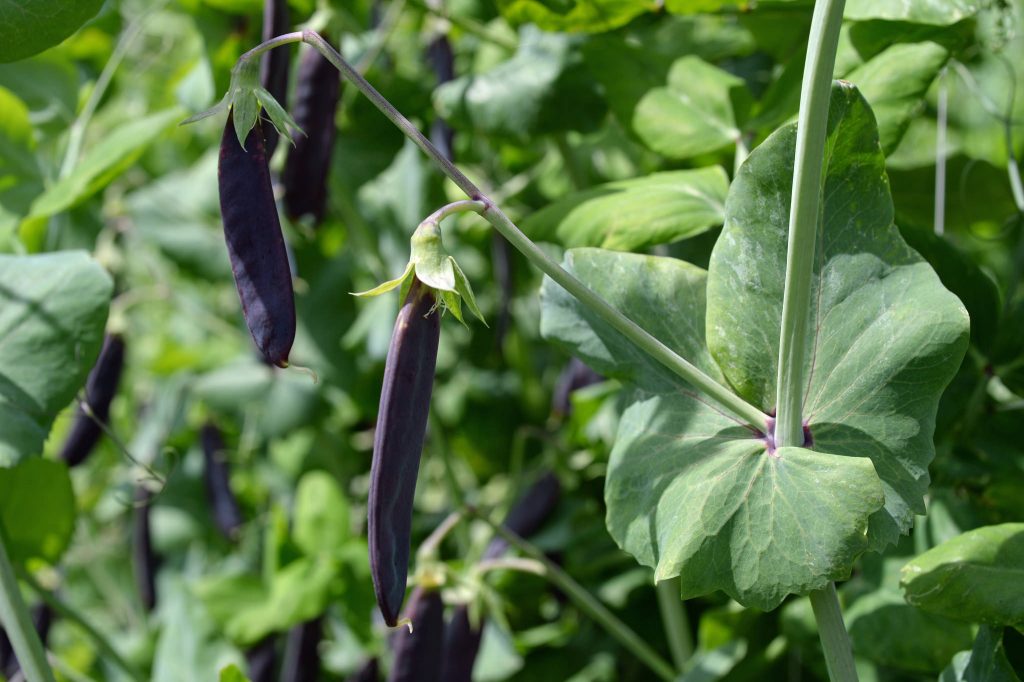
<point>398,444</point>
<point>252,230</point>
<point>369,672</point>
<point>100,388</point>
<point>275,64</point>
<point>301,659</point>
<point>418,653</point>
<point>317,89</point>
<point>261,659</point>
<point>441,58</point>
<point>144,558</point>
<point>217,477</point>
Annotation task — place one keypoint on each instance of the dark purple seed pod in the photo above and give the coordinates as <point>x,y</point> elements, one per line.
<point>42,619</point>
<point>575,376</point>
<point>442,60</point>
<point>529,513</point>
<point>301,659</point>
<point>461,645</point>
<point>418,653</point>
<point>256,247</point>
<point>260,659</point>
<point>370,672</point>
<point>398,444</point>
<point>144,558</point>
<point>274,65</point>
<point>100,389</point>
<point>217,476</point>
<point>305,170</point>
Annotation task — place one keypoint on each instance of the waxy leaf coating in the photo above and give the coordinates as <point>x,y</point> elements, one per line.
<point>693,492</point>
<point>252,230</point>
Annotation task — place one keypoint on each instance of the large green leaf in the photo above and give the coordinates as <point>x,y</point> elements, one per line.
<point>937,12</point>
<point>591,16</point>
<point>895,83</point>
<point>632,214</point>
<point>543,88</point>
<point>31,26</point>
<point>885,336</point>
<point>975,577</point>
<point>695,112</point>
<point>37,509</point>
<point>321,514</point>
<point>690,491</point>
<point>53,309</point>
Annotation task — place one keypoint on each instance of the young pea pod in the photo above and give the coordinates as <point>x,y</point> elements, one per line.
<point>275,64</point>
<point>100,389</point>
<point>439,54</point>
<point>255,244</point>
<point>575,376</point>
<point>145,559</point>
<point>309,160</point>
<point>418,653</point>
<point>261,658</point>
<point>398,444</point>
<point>301,660</point>
<point>461,645</point>
<point>217,476</point>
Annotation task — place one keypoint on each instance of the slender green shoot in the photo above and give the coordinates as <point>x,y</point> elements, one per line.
<point>17,622</point>
<point>834,640</point>
<point>585,601</point>
<point>677,623</point>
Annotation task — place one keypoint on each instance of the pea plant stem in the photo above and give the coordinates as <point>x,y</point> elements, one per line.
<point>69,614</point>
<point>834,640</point>
<point>804,217</point>
<point>677,624</point>
<point>18,623</point>
<point>501,222</point>
<point>585,601</point>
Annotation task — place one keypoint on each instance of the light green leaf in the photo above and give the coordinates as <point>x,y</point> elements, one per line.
<point>53,309</point>
<point>699,6</point>
<point>985,662</point>
<point>232,673</point>
<point>975,577</point>
<point>936,12</point>
<point>20,175</point>
<point>31,26</point>
<point>387,286</point>
<point>885,336</point>
<point>696,112</point>
<point>543,88</point>
<point>37,509</point>
<point>895,83</point>
<point>690,491</point>
<point>321,521</point>
<point>591,16</point>
<point>629,215</point>
<point>108,158</point>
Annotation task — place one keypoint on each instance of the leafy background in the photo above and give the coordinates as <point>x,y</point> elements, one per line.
<point>596,123</point>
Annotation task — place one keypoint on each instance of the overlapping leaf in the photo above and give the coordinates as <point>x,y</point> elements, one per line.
<point>886,336</point>
<point>691,491</point>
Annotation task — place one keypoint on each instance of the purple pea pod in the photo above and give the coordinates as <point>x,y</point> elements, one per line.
<point>301,659</point>
<point>317,91</point>
<point>217,476</point>
<point>461,645</point>
<point>252,230</point>
<point>575,376</point>
<point>398,444</point>
<point>100,389</point>
<point>370,672</point>
<point>418,653</point>
<point>261,658</point>
<point>144,558</point>
<point>441,58</point>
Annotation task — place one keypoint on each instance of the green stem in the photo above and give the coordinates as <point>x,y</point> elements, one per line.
<point>585,601</point>
<point>18,623</point>
<point>468,25</point>
<point>834,640</point>
<point>812,123</point>
<point>677,624</point>
<point>494,215</point>
<point>69,614</point>
<point>454,208</point>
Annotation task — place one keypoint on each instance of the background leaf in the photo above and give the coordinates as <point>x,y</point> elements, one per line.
<point>37,509</point>
<point>53,308</point>
<point>31,26</point>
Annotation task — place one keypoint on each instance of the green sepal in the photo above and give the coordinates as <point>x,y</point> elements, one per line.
<point>431,264</point>
<point>389,285</point>
<point>281,119</point>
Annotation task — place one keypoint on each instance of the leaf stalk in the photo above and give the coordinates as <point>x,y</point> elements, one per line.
<point>17,622</point>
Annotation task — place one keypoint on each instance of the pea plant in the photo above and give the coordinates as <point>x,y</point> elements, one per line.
<point>801,372</point>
